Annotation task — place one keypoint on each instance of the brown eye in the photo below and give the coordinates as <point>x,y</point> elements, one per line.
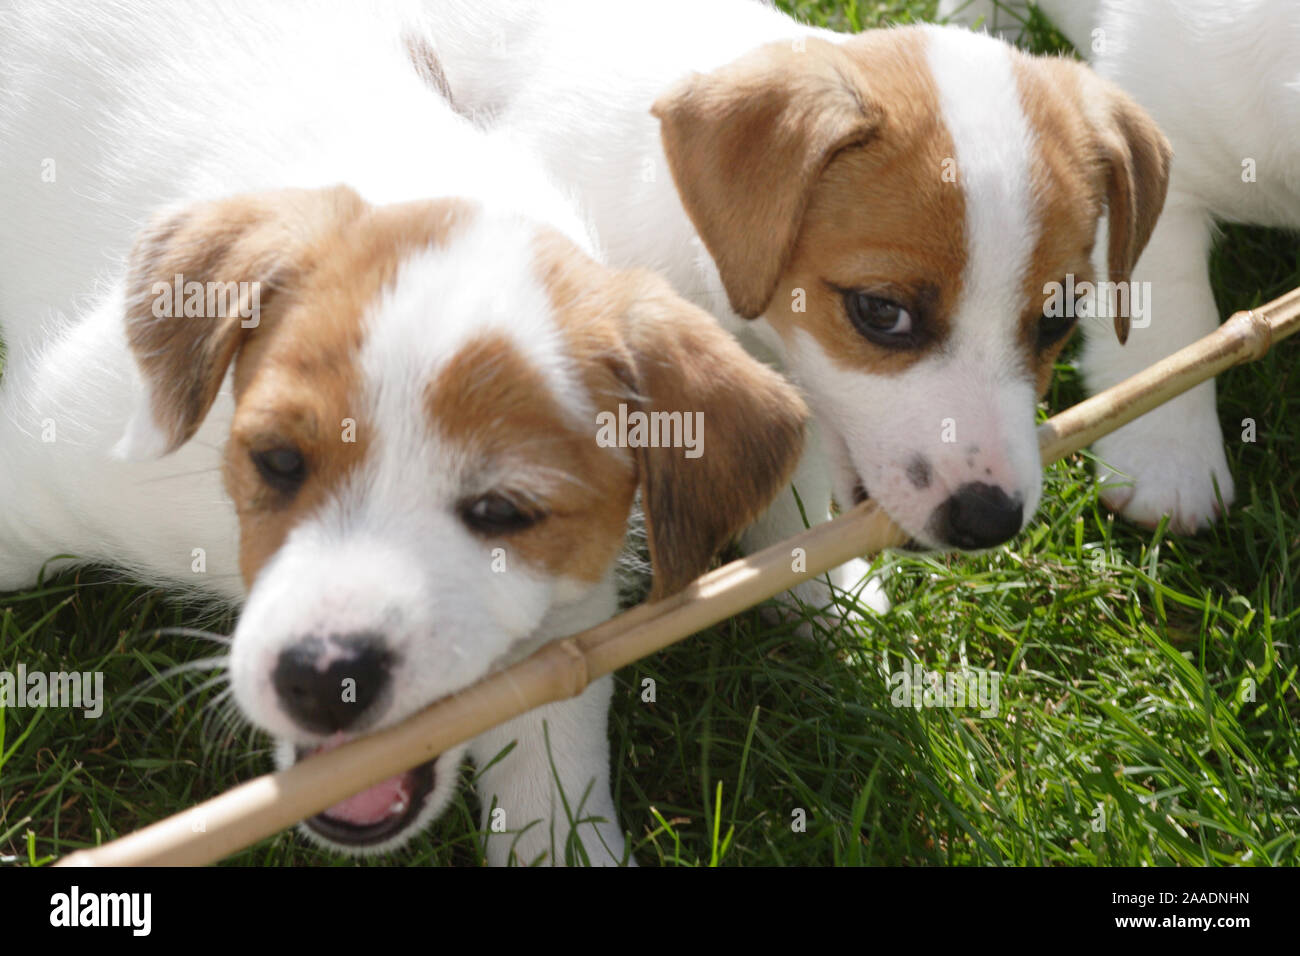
<point>495,514</point>
<point>1053,328</point>
<point>284,469</point>
<point>879,320</point>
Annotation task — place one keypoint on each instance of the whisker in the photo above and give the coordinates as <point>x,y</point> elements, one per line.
<point>174,708</point>
<point>194,632</point>
<point>221,662</point>
<point>221,719</point>
<point>179,474</point>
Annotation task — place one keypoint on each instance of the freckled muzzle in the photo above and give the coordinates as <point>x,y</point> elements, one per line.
<point>977,516</point>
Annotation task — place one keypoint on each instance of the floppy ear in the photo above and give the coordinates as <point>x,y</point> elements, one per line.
<point>748,427</point>
<point>1137,158</point>
<point>747,142</point>
<point>198,282</point>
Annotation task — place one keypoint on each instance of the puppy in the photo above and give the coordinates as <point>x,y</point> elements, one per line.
<point>878,214</point>
<point>348,374</point>
<point>1234,126</point>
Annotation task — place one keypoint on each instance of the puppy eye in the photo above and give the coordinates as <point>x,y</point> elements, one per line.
<point>1053,328</point>
<point>284,469</point>
<point>495,514</point>
<point>881,321</point>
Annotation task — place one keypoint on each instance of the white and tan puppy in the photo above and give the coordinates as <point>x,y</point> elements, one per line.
<point>284,328</point>
<point>1222,78</point>
<point>878,213</point>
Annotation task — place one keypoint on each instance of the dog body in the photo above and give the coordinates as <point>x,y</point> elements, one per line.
<point>878,214</point>
<point>1222,78</point>
<point>284,328</point>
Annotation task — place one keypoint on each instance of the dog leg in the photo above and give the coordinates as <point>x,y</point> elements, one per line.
<point>18,568</point>
<point>1168,461</point>
<point>20,479</point>
<point>552,790</point>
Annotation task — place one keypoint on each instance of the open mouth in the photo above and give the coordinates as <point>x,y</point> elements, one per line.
<point>377,813</point>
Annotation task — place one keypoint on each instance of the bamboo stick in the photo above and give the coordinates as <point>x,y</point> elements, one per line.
<point>564,668</point>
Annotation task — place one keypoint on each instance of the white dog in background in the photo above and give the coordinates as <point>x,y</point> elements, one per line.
<point>1222,78</point>
<point>877,213</point>
<point>358,351</point>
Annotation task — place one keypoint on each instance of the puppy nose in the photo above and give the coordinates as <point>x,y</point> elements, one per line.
<point>325,686</point>
<point>977,516</point>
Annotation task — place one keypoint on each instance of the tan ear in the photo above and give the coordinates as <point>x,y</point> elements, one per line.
<point>750,437</point>
<point>1137,157</point>
<point>747,142</point>
<point>199,282</point>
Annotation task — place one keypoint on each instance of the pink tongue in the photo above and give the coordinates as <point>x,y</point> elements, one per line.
<point>389,798</point>
<point>380,802</point>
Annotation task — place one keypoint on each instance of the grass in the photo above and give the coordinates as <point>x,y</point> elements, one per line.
<point>1149,699</point>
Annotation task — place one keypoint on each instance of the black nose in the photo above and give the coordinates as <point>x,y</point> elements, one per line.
<point>977,516</point>
<point>326,697</point>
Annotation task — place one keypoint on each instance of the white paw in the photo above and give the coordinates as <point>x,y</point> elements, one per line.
<point>867,589</point>
<point>603,844</point>
<point>1166,463</point>
<point>855,589</point>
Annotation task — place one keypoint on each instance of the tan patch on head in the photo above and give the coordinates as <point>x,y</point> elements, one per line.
<point>882,218</point>
<point>1096,150</point>
<point>745,144</point>
<point>297,378</point>
<point>1068,189</point>
<point>498,410</point>
<point>635,342</point>
<point>842,187</point>
<point>262,242</point>
<point>629,340</point>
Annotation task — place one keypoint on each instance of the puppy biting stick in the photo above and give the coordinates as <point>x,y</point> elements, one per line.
<point>563,668</point>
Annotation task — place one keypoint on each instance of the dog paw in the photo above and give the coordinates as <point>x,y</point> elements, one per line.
<point>1165,464</point>
<point>857,585</point>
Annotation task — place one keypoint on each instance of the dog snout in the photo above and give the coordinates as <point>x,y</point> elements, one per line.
<point>327,685</point>
<point>977,515</point>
